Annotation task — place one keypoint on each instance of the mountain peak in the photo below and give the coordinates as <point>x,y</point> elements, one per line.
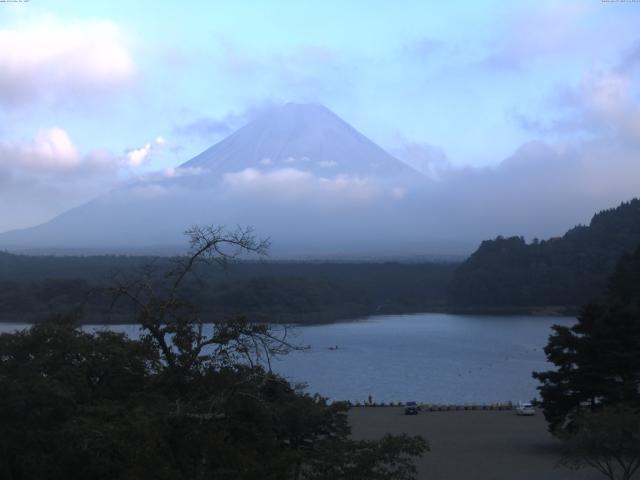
<point>304,136</point>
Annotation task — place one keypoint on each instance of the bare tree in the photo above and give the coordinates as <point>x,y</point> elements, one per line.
<point>170,322</point>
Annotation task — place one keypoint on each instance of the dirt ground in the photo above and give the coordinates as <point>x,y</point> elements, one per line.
<point>473,445</point>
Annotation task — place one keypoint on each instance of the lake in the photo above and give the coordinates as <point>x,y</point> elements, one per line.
<point>431,357</point>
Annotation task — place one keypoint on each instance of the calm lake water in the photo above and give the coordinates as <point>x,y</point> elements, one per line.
<point>435,358</point>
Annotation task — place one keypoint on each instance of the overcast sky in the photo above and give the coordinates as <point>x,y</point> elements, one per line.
<point>93,93</point>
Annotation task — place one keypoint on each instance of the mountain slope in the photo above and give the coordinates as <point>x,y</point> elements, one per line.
<point>299,174</point>
<point>570,270</point>
<point>305,136</point>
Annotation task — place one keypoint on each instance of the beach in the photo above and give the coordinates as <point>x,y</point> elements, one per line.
<point>473,445</point>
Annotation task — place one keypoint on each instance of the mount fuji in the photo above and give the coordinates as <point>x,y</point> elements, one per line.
<point>299,174</point>
<point>305,136</point>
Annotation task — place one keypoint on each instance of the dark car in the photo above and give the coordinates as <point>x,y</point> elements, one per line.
<point>411,408</point>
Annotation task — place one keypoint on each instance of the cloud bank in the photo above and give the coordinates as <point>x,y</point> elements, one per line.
<point>48,174</point>
<point>59,61</point>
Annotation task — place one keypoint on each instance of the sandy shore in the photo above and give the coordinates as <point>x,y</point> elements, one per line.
<point>473,445</point>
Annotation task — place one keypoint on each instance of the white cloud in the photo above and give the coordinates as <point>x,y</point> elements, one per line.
<point>291,182</point>
<point>251,178</point>
<point>137,157</point>
<point>58,59</point>
<point>266,161</point>
<point>327,163</point>
<point>184,172</point>
<point>51,150</point>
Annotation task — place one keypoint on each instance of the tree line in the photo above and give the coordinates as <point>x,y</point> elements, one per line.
<point>569,271</point>
<point>505,274</point>
<point>279,292</point>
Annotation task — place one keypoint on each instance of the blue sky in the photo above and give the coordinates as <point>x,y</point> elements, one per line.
<point>93,93</point>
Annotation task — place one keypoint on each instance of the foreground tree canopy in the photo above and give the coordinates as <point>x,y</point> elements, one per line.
<point>592,399</point>
<point>607,440</point>
<point>597,359</point>
<point>182,402</point>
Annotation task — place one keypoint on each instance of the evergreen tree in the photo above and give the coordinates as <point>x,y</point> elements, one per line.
<point>597,359</point>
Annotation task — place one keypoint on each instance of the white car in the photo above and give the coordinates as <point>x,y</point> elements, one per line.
<point>525,409</point>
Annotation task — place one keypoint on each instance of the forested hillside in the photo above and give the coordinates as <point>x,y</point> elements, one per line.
<point>32,287</point>
<point>567,271</point>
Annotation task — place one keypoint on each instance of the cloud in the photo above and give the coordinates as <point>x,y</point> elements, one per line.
<point>136,157</point>
<point>55,146</point>
<point>56,60</point>
<point>48,174</point>
<point>51,150</point>
<point>529,33</point>
<point>184,172</point>
<point>541,190</point>
<point>588,162</point>
<point>209,127</point>
<point>603,104</point>
<point>293,183</point>
<point>41,177</point>
<point>327,163</point>
<point>609,101</point>
<point>52,153</point>
<point>425,158</point>
<point>169,173</point>
<point>304,73</point>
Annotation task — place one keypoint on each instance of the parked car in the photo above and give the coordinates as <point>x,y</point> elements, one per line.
<point>411,408</point>
<point>525,409</point>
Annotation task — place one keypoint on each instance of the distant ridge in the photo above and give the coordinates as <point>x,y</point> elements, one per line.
<point>567,271</point>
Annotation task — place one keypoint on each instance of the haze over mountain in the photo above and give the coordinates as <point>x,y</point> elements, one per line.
<point>305,136</point>
<point>317,187</point>
<point>299,174</point>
